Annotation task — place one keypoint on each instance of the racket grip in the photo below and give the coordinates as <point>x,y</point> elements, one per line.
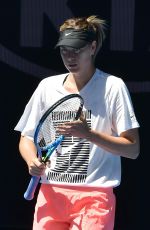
<point>29,194</point>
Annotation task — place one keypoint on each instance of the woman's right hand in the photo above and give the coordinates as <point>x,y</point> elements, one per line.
<point>36,167</point>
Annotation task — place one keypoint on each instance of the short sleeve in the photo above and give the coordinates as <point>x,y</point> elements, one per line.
<point>122,111</point>
<point>32,114</point>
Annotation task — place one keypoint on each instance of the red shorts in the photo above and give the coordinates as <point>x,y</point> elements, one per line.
<point>74,208</point>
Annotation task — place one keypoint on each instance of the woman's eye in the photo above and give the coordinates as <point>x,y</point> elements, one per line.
<point>77,51</point>
<point>63,51</point>
<point>72,51</point>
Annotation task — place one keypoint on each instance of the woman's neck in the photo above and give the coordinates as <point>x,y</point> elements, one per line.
<point>76,81</point>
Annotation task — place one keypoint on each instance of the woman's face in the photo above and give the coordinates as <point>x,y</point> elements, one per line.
<point>76,60</point>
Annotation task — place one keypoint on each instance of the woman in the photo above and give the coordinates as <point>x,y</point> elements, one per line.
<point>108,123</point>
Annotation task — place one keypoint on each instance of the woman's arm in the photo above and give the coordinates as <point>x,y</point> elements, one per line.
<point>29,154</point>
<point>125,145</point>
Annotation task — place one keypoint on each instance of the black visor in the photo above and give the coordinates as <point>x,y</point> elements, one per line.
<point>76,38</point>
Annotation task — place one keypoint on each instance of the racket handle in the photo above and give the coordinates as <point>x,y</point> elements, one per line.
<point>29,194</point>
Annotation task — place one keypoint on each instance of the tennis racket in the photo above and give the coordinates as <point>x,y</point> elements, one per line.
<point>46,137</point>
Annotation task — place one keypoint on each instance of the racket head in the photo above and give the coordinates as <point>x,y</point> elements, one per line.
<point>65,109</point>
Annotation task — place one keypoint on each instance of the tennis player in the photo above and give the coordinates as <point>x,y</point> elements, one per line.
<point>76,193</point>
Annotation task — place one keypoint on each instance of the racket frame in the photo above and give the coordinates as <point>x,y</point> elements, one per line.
<point>29,194</point>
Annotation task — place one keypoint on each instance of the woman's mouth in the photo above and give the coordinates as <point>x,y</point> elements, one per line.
<point>74,65</point>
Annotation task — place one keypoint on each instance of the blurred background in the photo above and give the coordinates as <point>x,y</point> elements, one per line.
<point>29,32</point>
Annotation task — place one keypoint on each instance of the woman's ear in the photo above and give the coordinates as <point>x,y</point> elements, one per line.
<point>93,47</point>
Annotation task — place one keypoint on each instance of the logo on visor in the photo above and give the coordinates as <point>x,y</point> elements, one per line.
<point>67,34</point>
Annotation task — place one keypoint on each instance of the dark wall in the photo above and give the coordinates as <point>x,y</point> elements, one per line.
<point>29,31</point>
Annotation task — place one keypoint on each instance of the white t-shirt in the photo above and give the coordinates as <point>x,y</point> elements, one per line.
<point>108,109</point>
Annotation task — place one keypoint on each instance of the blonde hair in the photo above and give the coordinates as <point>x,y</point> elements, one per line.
<point>93,23</point>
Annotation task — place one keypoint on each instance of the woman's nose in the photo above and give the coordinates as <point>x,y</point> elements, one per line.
<point>70,56</point>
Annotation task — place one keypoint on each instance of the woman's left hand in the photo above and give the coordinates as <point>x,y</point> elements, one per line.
<point>78,128</point>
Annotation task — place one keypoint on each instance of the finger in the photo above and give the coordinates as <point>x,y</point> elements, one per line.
<point>38,163</point>
<point>83,116</point>
<point>36,172</point>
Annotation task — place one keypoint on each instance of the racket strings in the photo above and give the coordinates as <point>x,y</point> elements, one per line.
<point>66,111</point>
